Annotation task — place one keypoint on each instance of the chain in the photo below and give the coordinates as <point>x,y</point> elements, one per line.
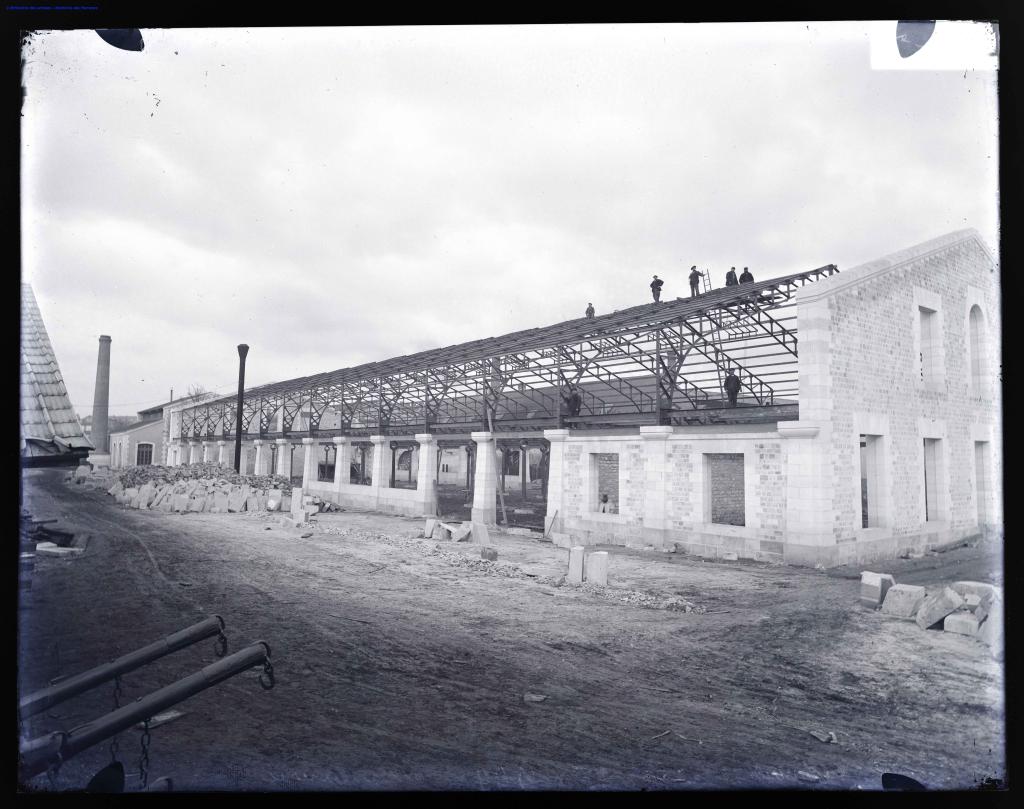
<point>220,646</point>
<point>268,670</point>
<point>144,756</point>
<point>115,743</point>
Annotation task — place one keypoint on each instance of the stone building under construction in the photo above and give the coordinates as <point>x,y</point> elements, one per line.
<point>868,421</point>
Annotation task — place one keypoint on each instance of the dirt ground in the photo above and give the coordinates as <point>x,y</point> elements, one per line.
<point>402,664</point>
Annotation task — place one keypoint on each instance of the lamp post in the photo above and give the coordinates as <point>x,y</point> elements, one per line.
<point>243,349</point>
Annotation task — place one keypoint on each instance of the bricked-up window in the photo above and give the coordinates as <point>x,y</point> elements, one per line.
<point>871,481</point>
<point>931,347</point>
<point>977,350</point>
<point>725,498</point>
<point>932,459</point>
<point>604,471</point>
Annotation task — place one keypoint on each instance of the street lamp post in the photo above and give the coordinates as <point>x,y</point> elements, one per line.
<point>243,349</point>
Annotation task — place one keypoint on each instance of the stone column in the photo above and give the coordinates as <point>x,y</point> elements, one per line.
<point>310,461</point>
<point>426,476</point>
<point>284,458</point>
<point>655,521</point>
<point>485,482</point>
<point>192,452</point>
<point>262,455</point>
<point>206,451</point>
<point>555,518</point>
<point>380,468</point>
<point>342,464</point>
<point>220,452</point>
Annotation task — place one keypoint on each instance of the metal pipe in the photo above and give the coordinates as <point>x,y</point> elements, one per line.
<point>92,733</point>
<point>243,349</point>
<point>43,699</point>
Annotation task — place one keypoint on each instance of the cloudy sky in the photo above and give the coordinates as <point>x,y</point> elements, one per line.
<point>334,196</point>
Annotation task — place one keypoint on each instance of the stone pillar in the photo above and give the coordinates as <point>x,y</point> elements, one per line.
<point>284,458</point>
<point>192,452</point>
<point>556,473</point>
<point>342,462</point>
<point>810,508</point>
<point>206,451</point>
<point>220,452</point>
<point>426,475</point>
<point>380,474</point>
<point>655,521</point>
<point>262,455</point>
<point>485,482</point>
<point>310,461</point>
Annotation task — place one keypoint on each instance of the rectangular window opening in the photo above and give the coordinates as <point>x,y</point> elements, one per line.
<point>982,482</point>
<point>871,481</point>
<point>604,472</point>
<point>725,488</point>
<point>931,479</point>
<point>930,354</point>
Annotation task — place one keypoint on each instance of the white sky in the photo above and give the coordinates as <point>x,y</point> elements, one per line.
<point>334,196</point>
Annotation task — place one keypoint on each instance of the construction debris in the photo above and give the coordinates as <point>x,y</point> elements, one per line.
<point>903,600</point>
<point>201,488</point>
<point>938,606</point>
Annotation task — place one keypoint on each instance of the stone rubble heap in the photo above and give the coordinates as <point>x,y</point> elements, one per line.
<point>200,488</point>
<point>970,608</point>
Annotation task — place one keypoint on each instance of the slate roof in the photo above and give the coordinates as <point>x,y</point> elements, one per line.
<point>49,424</point>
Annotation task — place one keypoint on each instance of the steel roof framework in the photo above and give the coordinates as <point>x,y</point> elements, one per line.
<point>649,364</point>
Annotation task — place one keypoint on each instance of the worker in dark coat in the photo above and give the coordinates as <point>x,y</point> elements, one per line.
<point>590,310</point>
<point>694,282</point>
<point>746,277</point>
<point>730,277</point>
<point>732,387</point>
<point>573,402</point>
<point>656,286</point>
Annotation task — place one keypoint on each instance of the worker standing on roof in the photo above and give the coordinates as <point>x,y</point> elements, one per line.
<point>746,277</point>
<point>732,387</point>
<point>590,310</point>
<point>730,277</point>
<point>694,281</point>
<point>573,401</point>
<point>656,286</point>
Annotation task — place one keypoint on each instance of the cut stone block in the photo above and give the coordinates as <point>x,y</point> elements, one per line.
<point>903,600</point>
<point>488,553</point>
<point>116,489</point>
<point>167,504</point>
<point>937,606</point>
<point>252,503</point>
<point>286,503</point>
<point>873,587</point>
<point>978,588</point>
<point>220,502</point>
<point>181,502</point>
<point>576,564</point>
<point>991,630</point>
<point>196,503</point>
<point>295,502</point>
<point>428,529</point>
<point>274,497</point>
<point>236,500</point>
<point>463,533</point>
<point>480,533</point>
<point>985,606</point>
<point>961,623</point>
<point>597,568</point>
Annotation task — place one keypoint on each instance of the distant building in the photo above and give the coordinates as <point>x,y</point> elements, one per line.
<point>140,441</point>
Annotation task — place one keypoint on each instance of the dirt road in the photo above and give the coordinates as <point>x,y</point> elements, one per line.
<point>402,665</point>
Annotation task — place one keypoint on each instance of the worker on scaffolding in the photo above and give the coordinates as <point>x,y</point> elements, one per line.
<point>730,277</point>
<point>590,310</point>
<point>694,281</point>
<point>732,387</point>
<point>574,401</point>
<point>656,286</point>
<point>746,277</point>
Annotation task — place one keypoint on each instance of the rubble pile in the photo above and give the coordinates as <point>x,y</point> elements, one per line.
<point>200,488</point>
<point>970,608</point>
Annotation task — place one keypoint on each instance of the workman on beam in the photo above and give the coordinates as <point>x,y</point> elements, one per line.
<point>746,277</point>
<point>730,277</point>
<point>590,310</point>
<point>732,387</point>
<point>656,286</point>
<point>694,281</point>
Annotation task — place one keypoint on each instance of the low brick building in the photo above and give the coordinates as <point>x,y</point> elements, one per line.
<point>897,445</point>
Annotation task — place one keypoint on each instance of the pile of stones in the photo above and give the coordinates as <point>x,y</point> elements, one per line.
<point>214,494</point>
<point>135,477</point>
<point>970,608</point>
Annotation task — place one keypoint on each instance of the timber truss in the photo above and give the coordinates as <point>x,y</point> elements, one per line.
<point>658,363</point>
